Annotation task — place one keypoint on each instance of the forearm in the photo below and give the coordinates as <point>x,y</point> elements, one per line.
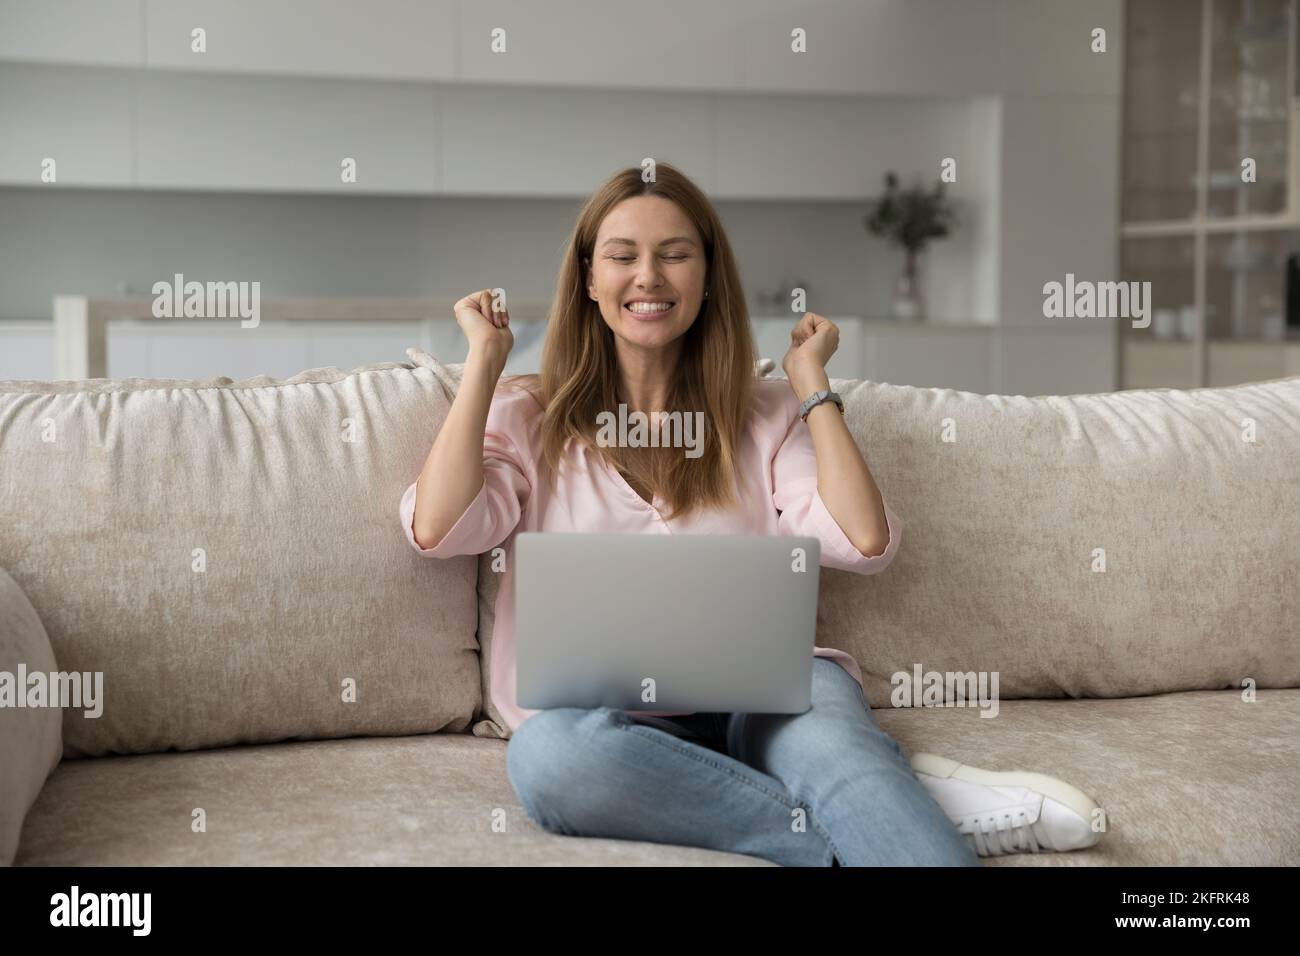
<point>453,472</point>
<point>843,479</point>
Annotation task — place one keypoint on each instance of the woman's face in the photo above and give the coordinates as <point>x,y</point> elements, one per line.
<point>646,249</point>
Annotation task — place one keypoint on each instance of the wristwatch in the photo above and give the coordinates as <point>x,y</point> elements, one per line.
<point>815,399</point>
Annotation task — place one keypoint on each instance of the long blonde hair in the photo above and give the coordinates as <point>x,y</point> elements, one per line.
<point>715,373</point>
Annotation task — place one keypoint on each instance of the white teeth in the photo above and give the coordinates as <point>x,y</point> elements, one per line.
<point>648,307</point>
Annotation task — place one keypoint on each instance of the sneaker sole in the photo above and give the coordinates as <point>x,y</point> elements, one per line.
<point>1058,790</point>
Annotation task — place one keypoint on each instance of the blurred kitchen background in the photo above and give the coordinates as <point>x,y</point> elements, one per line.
<point>1102,139</point>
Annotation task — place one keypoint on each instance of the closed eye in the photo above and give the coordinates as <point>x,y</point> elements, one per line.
<point>677,258</point>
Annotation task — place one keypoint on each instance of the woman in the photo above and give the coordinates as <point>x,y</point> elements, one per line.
<point>649,312</point>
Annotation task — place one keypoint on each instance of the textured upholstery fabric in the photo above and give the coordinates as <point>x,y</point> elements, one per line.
<point>308,581</point>
<point>1198,529</point>
<point>31,738</point>
<point>1193,778</point>
<point>224,553</point>
<point>1007,524</point>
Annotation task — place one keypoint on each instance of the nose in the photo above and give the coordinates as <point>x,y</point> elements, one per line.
<point>647,276</point>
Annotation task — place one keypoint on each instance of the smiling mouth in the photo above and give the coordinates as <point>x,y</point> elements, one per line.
<point>650,316</point>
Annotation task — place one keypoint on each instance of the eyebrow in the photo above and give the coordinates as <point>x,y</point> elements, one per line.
<point>631,242</point>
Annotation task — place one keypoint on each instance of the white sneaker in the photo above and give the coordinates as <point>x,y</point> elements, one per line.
<point>1009,811</point>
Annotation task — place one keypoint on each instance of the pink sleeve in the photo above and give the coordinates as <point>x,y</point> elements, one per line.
<point>495,511</point>
<point>804,514</point>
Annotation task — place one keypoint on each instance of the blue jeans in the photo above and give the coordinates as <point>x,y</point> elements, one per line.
<point>814,789</point>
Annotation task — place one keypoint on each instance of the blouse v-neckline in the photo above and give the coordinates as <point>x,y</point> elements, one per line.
<point>655,504</point>
<point>652,504</point>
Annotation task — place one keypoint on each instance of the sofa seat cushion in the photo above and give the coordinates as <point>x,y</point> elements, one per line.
<point>1199,778</point>
<point>1196,778</point>
<point>419,800</point>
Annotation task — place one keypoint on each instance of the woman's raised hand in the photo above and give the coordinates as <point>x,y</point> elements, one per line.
<point>488,331</point>
<point>813,340</point>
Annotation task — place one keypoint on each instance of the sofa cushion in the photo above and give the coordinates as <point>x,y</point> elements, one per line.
<point>1190,498</point>
<point>428,800</point>
<point>223,551</point>
<point>1009,518</point>
<point>1199,778</point>
<point>31,738</point>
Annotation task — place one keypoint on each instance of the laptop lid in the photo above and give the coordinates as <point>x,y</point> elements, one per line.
<point>699,623</point>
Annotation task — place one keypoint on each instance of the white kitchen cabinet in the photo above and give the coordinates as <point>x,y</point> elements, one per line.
<point>861,47</point>
<point>539,142</point>
<point>247,132</point>
<point>79,118</point>
<point>870,47</point>
<point>381,39</point>
<point>84,32</point>
<point>666,45</point>
<point>240,132</point>
<point>836,148</point>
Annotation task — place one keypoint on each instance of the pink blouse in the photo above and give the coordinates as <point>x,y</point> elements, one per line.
<point>776,447</point>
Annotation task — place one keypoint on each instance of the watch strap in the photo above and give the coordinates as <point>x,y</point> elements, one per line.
<point>815,399</point>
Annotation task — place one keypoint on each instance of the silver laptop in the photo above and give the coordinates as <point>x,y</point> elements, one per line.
<point>701,623</point>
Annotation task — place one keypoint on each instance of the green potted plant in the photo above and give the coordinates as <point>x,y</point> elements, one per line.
<point>910,218</point>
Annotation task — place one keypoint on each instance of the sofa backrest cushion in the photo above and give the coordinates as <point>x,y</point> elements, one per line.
<point>1105,545</point>
<point>224,553</point>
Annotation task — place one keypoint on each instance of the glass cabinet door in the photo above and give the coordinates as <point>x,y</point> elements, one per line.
<point>1162,93</point>
<point>1250,99</point>
<point>1245,285</point>
<point>1249,91</point>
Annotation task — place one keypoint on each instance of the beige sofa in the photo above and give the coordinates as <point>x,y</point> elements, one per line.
<point>286,682</point>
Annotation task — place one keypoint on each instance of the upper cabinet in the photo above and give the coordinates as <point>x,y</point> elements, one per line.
<point>380,39</point>
<point>762,99</point>
<point>1161,109</point>
<point>1208,112</point>
<point>868,47</point>
<point>84,32</point>
<point>72,125</point>
<point>665,45</point>
<point>1249,107</point>
<point>836,47</point>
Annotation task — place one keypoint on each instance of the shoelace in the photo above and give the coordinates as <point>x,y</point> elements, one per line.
<point>1005,839</point>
